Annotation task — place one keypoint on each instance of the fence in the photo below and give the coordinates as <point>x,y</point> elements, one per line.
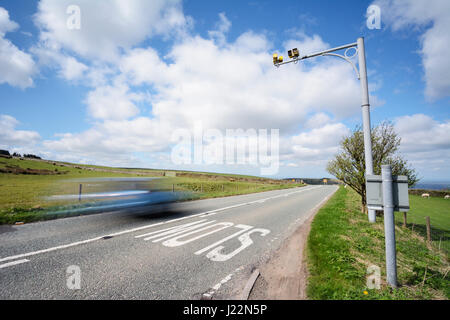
<point>436,237</point>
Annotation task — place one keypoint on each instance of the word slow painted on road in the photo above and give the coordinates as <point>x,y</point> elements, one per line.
<point>190,232</point>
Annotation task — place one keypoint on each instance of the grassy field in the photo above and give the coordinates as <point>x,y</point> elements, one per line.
<point>342,244</point>
<point>438,209</point>
<point>23,196</point>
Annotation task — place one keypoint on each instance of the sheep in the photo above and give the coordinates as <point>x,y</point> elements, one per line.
<point>425,195</point>
<point>447,196</point>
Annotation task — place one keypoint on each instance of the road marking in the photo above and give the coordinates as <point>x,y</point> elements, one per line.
<point>208,213</point>
<point>176,242</point>
<point>49,249</point>
<point>173,235</point>
<point>213,290</point>
<point>216,255</point>
<point>169,230</point>
<point>215,244</point>
<point>10,264</point>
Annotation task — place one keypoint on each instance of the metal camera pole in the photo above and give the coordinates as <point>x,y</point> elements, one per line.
<point>362,76</point>
<point>366,115</point>
<point>389,225</point>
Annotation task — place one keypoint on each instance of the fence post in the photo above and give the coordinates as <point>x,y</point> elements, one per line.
<point>79,193</point>
<point>428,229</point>
<point>389,225</point>
<point>173,187</point>
<point>404,219</point>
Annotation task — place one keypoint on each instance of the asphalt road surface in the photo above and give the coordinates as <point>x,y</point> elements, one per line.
<point>204,248</point>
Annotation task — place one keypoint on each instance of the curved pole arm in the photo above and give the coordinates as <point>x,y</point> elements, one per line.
<point>346,59</point>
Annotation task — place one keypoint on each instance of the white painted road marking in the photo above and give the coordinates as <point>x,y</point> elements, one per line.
<point>215,244</point>
<point>216,255</point>
<point>175,242</point>
<point>173,235</point>
<point>211,212</point>
<point>10,264</point>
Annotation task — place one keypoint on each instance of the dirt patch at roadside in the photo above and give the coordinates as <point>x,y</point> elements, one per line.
<point>284,276</point>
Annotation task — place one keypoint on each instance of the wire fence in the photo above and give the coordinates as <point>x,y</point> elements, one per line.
<point>435,236</point>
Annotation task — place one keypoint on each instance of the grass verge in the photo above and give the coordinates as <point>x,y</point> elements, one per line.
<point>342,244</point>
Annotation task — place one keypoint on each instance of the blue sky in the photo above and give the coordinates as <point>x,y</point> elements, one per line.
<point>114,91</point>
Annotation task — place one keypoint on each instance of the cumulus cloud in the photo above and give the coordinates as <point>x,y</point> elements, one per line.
<point>11,138</point>
<point>119,137</point>
<point>306,44</point>
<point>208,80</point>
<point>17,67</point>
<point>144,66</point>
<point>107,26</point>
<point>425,142</point>
<point>6,25</point>
<point>421,133</point>
<point>213,83</point>
<point>222,28</point>
<point>318,145</point>
<point>112,102</point>
<point>434,18</point>
<point>69,68</point>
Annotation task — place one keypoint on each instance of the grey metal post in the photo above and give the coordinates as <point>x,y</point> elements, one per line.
<point>366,115</point>
<point>389,226</point>
<point>79,194</point>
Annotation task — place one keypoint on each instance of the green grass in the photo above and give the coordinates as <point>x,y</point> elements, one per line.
<point>438,209</point>
<point>23,195</point>
<point>342,244</point>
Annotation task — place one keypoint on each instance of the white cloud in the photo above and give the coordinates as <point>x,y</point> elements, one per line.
<point>236,86</point>
<point>435,16</point>
<point>144,66</point>
<point>69,68</point>
<point>17,67</point>
<point>10,138</point>
<point>222,28</point>
<point>306,44</point>
<point>222,84</point>
<point>420,133</point>
<point>107,26</point>
<point>112,102</point>
<point>425,144</point>
<point>318,144</point>
<point>117,139</point>
<point>6,25</point>
<point>317,120</point>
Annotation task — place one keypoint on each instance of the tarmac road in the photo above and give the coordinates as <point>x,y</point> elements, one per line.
<point>192,250</point>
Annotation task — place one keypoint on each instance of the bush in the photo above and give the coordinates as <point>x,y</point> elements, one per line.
<point>5,152</point>
<point>31,156</point>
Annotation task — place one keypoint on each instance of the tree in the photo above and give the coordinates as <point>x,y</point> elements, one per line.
<point>349,164</point>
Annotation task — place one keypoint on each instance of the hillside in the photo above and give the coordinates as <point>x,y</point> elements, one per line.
<point>25,184</point>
